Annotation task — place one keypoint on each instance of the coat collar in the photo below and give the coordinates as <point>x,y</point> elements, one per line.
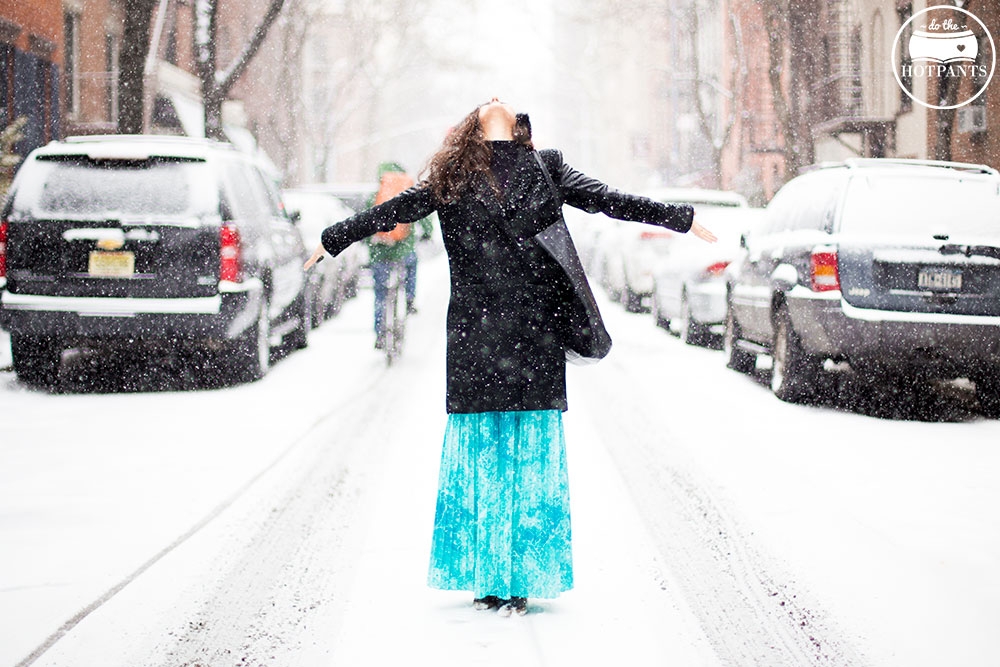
<point>525,180</point>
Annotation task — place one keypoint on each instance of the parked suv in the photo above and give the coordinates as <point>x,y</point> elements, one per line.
<point>892,266</point>
<point>132,241</point>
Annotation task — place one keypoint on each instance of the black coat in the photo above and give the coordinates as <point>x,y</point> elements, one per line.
<point>510,298</point>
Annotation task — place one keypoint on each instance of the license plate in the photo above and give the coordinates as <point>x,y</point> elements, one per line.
<point>939,279</point>
<point>111,264</point>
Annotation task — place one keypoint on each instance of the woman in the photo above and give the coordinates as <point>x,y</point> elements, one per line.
<point>518,302</point>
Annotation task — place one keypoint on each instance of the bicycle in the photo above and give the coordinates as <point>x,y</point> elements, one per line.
<point>394,322</point>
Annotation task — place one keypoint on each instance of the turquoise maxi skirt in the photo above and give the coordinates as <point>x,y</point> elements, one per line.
<point>502,523</point>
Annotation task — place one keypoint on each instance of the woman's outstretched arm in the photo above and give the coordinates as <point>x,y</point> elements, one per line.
<point>593,196</point>
<point>409,206</point>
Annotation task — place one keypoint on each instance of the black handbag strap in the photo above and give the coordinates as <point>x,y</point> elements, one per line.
<point>548,177</point>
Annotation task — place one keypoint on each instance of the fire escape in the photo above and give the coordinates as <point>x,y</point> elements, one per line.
<point>837,104</point>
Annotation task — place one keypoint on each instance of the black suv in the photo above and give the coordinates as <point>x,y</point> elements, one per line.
<point>892,266</point>
<point>133,241</point>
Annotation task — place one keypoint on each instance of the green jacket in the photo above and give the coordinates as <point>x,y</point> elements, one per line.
<point>379,251</point>
<point>397,252</point>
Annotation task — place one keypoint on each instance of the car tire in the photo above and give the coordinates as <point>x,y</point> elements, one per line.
<point>661,321</point>
<point>691,331</point>
<point>341,293</point>
<point>36,359</point>
<point>252,350</point>
<point>317,307</point>
<point>737,358</point>
<point>794,372</point>
<point>301,310</point>
<point>988,394</point>
<point>631,300</point>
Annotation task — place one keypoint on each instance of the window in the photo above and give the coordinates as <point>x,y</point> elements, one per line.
<point>920,204</point>
<point>71,34</point>
<point>75,186</point>
<point>856,104</point>
<point>6,84</point>
<point>905,11</point>
<point>170,51</point>
<point>111,72</point>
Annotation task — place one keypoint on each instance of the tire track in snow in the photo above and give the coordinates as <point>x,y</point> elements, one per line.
<point>288,568</point>
<point>349,407</point>
<point>751,611</point>
<point>280,597</point>
<point>296,444</point>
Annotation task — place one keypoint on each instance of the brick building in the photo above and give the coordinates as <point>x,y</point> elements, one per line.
<point>31,63</point>
<point>840,93</point>
<point>59,68</point>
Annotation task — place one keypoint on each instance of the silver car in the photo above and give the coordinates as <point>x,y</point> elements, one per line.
<point>892,266</point>
<point>334,280</point>
<point>689,294</point>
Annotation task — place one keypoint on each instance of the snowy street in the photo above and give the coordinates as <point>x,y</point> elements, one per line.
<point>288,521</point>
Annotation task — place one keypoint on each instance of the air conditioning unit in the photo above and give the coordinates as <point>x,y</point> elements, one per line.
<point>972,118</point>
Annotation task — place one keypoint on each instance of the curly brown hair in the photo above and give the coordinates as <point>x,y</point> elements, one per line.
<point>465,155</point>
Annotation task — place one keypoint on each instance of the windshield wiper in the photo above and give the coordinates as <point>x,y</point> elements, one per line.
<point>970,250</point>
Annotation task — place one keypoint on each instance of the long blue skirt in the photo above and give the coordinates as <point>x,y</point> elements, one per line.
<point>502,524</point>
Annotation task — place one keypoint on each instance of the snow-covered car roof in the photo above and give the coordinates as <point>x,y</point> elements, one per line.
<point>897,164</point>
<point>133,147</point>
<point>696,196</point>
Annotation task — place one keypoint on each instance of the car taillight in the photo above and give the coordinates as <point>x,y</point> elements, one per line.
<point>229,253</point>
<point>3,248</point>
<point>715,270</point>
<point>825,271</point>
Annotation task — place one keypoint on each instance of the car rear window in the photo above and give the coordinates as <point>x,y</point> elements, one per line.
<point>922,204</point>
<point>77,186</point>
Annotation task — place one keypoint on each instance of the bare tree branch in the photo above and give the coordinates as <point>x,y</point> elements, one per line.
<point>225,80</point>
<point>215,85</point>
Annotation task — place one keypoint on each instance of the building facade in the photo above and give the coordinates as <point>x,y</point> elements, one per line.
<point>839,94</point>
<point>31,65</point>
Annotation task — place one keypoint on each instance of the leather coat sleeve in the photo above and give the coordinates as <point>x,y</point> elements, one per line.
<point>408,206</point>
<point>591,195</point>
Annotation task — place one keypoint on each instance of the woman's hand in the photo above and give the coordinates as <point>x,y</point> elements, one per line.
<point>317,256</point>
<point>702,233</point>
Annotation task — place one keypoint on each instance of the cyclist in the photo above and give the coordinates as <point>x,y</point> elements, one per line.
<point>396,247</point>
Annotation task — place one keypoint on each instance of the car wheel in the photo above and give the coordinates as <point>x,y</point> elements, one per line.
<point>736,357</point>
<point>658,317</point>
<point>252,353</point>
<point>631,300</point>
<point>36,359</point>
<point>302,311</point>
<point>794,373</point>
<point>691,331</point>
<point>317,307</point>
<point>988,394</point>
<point>341,293</point>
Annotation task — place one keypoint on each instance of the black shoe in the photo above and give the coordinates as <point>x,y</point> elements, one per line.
<point>380,342</point>
<point>411,309</point>
<point>488,602</point>
<point>517,606</point>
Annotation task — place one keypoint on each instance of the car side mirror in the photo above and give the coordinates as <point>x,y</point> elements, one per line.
<point>295,217</point>
<point>743,241</point>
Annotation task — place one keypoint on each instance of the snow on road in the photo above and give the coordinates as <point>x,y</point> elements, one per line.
<point>288,521</point>
<point>861,540</point>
